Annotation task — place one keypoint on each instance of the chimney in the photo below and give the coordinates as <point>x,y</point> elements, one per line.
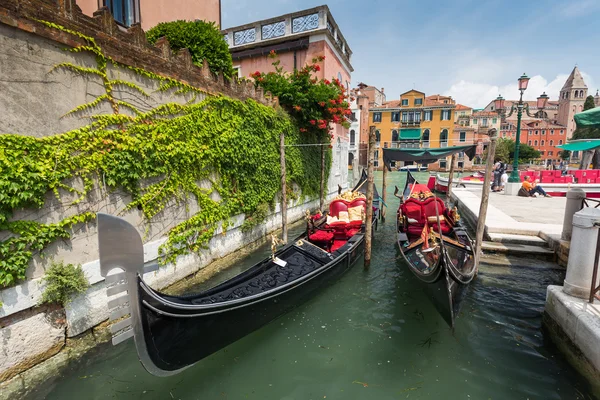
<point>382,90</point>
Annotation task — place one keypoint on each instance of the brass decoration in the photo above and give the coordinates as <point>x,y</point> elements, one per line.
<point>350,196</point>
<point>274,242</point>
<point>455,215</point>
<point>421,195</point>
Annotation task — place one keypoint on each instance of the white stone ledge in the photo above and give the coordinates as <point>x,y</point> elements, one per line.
<point>579,320</point>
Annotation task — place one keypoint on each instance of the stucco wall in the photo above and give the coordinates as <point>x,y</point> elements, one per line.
<point>152,12</point>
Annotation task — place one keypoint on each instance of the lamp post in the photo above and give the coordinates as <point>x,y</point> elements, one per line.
<point>520,106</point>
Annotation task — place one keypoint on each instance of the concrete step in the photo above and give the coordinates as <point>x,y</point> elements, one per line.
<point>508,238</point>
<point>511,248</point>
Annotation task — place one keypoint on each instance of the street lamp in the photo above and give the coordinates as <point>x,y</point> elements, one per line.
<point>520,106</point>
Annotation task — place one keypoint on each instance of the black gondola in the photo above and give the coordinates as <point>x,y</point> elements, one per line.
<point>431,237</point>
<point>173,332</point>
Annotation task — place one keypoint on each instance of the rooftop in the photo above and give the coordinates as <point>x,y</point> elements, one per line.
<point>293,26</point>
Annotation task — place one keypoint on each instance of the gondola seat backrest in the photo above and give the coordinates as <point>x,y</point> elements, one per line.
<point>429,207</point>
<point>336,206</point>
<point>413,210</point>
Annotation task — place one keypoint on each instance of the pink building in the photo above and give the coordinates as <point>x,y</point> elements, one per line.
<point>297,38</point>
<point>152,12</point>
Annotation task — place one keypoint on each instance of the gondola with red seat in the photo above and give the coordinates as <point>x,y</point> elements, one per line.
<point>436,246</point>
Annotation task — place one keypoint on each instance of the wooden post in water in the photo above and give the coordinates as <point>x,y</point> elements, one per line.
<point>382,208</point>
<point>451,177</point>
<point>322,191</point>
<point>369,216</point>
<point>485,195</point>
<point>284,230</point>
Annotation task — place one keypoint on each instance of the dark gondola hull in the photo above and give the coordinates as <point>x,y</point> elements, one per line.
<point>445,272</point>
<point>178,340</point>
<point>172,333</point>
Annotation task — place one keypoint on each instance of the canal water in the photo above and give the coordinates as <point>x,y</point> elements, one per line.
<point>371,335</point>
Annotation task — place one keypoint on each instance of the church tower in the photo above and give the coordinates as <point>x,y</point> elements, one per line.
<point>597,99</point>
<point>571,99</point>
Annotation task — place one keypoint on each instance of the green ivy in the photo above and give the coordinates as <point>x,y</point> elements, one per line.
<point>159,157</point>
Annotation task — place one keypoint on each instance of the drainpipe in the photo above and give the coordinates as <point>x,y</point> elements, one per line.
<point>295,52</point>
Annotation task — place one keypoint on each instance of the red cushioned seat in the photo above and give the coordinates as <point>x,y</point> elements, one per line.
<point>336,206</point>
<point>354,224</point>
<point>415,230</point>
<point>429,207</point>
<point>413,209</point>
<point>337,244</point>
<point>321,236</point>
<point>351,232</point>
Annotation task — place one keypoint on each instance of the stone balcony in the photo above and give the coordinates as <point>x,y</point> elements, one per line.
<point>292,26</point>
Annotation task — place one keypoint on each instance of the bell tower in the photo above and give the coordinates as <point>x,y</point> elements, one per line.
<point>571,99</point>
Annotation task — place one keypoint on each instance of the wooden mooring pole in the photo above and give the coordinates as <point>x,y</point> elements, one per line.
<point>451,177</point>
<point>382,207</point>
<point>284,230</point>
<point>485,195</point>
<point>369,216</point>
<point>322,190</point>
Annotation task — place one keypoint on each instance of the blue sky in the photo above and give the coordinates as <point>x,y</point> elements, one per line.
<point>469,49</point>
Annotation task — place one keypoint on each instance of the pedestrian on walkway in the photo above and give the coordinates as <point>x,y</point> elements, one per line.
<point>533,188</point>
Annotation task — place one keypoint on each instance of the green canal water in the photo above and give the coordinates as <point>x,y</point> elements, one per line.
<point>371,335</point>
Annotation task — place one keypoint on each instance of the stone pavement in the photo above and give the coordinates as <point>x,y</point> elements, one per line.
<point>530,216</point>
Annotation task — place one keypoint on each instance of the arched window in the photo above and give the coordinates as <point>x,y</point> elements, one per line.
<point>444,138</point>
<point>377,136</point>
<point>552,143</point>
<point>576,93</point>
<point>535,142</point>
<point>394,135</point>
<point>560,142</point>
<point>529,143</point>
<point>542,142</point>
<point>352,137</point>
<point>426,135</point>
<point>581,93</point>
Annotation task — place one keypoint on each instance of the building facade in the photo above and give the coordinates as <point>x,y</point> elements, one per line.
<point>543,135</point>
<point>413,121</point>
<point>150,13</point>
<point>297,38</point>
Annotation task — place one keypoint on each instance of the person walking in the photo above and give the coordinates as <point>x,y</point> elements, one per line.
<point>497,175</point>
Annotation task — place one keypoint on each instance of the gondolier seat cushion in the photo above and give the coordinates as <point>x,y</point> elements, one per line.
<point>321,236</point>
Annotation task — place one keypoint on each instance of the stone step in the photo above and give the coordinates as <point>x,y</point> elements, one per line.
<point>511,248</point>
<point>508,238</point>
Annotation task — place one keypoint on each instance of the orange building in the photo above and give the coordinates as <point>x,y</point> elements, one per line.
<point>150,13</point>
<point>413,121</point>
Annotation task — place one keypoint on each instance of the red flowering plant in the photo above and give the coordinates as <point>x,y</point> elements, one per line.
<point>314,103</point>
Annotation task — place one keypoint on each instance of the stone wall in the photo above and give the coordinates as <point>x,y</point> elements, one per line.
<point>33,100</point>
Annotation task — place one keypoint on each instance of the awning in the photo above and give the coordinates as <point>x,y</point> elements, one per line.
<point>426,156</point>
<point>588,118</point>
<point>410,134</point>
<point>581,145</point>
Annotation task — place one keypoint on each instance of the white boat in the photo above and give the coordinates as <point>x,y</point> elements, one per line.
<point>412,168</point>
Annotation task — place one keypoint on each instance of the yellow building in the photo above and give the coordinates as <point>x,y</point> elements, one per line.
<point>415,120</point>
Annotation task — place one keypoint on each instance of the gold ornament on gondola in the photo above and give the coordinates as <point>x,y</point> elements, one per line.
<point>454,215</point>
<point>350,196</point>
<point>274,242</point>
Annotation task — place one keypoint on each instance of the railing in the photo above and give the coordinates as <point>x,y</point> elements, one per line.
<point>443,144</point>
<point>425,145</point>
<point>410,123</point>
<point>587,202</point>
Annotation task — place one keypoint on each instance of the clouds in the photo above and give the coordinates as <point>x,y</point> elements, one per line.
<point>478,95</point>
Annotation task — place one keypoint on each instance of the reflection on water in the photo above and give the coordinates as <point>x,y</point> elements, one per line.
<point>371,335</point>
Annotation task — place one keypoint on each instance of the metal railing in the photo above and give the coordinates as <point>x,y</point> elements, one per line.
<point>588,202</point>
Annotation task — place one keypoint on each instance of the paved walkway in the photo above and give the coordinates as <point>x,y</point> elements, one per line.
<point>540,216</point>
